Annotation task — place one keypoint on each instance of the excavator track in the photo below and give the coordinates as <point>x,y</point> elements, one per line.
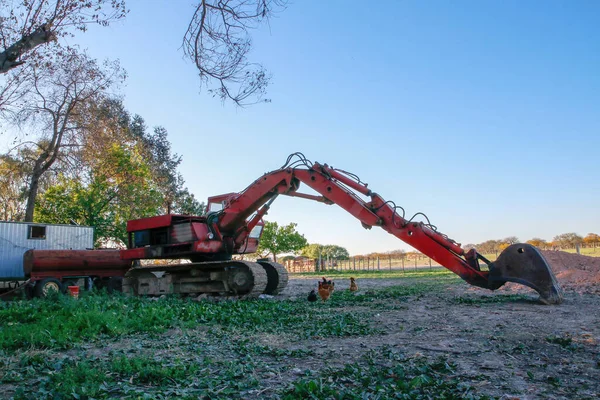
<point>239,279</point>
<point>277,277</point>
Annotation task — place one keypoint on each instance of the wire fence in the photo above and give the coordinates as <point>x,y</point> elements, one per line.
<point>301,264</point>
<point>391,262</point>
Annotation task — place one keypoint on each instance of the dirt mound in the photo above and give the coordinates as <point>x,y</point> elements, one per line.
<point>574,271</point>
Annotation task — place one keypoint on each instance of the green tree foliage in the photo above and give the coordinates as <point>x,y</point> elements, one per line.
<point>336,252</point>
<point>121,188</point>
<point>163,164</point>
<point>51,113</point>
<point>118,175</point>
<point>277,239</point>
<point>13,188</point>
<point>326,251</point>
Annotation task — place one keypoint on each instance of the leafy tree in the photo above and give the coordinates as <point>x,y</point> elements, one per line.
<point>568,240</point>
<point>186,203</point>
<point>336,252</point>
<point>164,164</point>
<point>502,245</point>
<point>60,94</point>
<point>119,189</point>
<point>398,253</point>
<point>592,239</point>
<point>218,41</point>
<point>13,188</point>
<point>537,242</point>
<point>488,247</point>
<point>277,239</point>
<point>330,250</point>
<point>312,250</point>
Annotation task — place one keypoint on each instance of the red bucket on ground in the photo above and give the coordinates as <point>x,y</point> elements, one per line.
<point>74,291</point>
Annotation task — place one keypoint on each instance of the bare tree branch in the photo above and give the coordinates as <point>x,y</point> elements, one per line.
<point>51,108</point>
<point>218,41</point>
<point>28,24</point>
<point>10,57</point>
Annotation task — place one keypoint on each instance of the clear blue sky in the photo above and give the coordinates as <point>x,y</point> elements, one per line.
<point>483,114</point>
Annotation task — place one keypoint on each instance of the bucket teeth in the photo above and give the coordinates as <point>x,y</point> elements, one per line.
<point>523,263</point>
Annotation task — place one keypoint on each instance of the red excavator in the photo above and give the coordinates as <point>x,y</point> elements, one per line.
<point>233,225</point>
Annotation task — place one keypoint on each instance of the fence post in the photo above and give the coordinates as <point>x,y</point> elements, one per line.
<point>390,262</point>
<point>377,263</point>
<point>416,262</point>
<point>354,263</point>
<point>402,264</point>
<point>430,263</point>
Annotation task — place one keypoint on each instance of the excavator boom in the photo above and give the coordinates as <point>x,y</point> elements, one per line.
<point>520,263</point>
<point>233,225</point>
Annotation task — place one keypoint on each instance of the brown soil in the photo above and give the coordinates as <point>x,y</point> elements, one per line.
<point>574,271</point>
<point>504,347</point>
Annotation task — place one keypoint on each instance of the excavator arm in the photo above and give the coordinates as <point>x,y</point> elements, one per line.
<point>521,263</point>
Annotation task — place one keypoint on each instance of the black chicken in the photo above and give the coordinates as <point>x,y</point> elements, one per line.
<point>312,296</point>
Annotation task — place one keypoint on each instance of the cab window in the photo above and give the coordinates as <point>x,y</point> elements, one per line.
<point>215,207</point>
<point>255,232</point>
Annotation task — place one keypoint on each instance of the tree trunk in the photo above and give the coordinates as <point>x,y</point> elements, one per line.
<point>274,257</point>
<point>9,57</point>
<point>40,166</point>
<point>32,194</point>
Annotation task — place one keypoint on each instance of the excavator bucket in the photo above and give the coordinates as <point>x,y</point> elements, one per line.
<point>523,263</point>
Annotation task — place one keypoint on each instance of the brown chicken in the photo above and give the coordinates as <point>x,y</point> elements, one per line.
<point>324,291</point>
<point>353,285</point>
<point>329,284</point>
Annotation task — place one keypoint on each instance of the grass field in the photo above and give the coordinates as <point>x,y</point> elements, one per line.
<point>423,336</point>
<point>113,346</point>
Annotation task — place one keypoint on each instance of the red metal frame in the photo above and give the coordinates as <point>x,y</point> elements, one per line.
<point>40,264</point>
<point>229,229</point>
<point>339,189</point>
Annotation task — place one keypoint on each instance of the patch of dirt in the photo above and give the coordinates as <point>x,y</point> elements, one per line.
<point>501,346</point>
<point>575,271</point>
<point>300,287</point>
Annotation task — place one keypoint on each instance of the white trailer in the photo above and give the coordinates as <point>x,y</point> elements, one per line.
<point>18,237</point>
